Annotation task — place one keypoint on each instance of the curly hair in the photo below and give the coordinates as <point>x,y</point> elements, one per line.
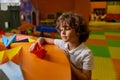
<point>76,22</point>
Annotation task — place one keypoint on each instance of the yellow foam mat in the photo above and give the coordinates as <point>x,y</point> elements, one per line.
<point>114,52</point>
<point>112,33</point>
<point>94,36</point>
<point>104,69</point>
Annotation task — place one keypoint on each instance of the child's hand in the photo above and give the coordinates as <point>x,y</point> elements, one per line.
<point>39,41</point>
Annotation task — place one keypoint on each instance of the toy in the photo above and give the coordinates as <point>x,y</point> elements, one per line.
<point>26,28</point>
<point>39,51</point>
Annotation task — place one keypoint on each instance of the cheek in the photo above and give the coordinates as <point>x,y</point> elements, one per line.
<point>73,36</point>
<point>69,35</point>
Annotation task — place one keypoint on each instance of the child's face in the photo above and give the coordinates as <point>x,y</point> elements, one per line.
<point>68,34</point>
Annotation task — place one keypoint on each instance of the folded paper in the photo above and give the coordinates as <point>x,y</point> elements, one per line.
<point>7,41</point>
<point>10,53</point>
<point>39,51</point>
<point>12,71</point>
<point>23,40</point>
<point>1,55</point>
<point>31,40</point>
<point>9,68</point>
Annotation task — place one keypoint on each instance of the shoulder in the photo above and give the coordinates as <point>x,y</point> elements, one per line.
<point>85,49</point>
<point>88,58</point>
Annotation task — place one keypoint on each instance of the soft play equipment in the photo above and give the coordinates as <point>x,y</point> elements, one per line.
<point>54,65</point>
<point>49,29</point>
<point>26,28</point>
<point>113,13</point>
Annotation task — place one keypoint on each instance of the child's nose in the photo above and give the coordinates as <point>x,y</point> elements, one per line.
<point>63,32</point>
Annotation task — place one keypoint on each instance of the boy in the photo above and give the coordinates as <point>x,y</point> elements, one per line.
<point>74,33</point>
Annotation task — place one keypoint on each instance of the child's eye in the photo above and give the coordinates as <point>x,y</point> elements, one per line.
<point>67,28</point>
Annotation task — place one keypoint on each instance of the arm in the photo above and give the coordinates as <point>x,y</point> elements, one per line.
<point>81,74</point>
<point>42,41</point>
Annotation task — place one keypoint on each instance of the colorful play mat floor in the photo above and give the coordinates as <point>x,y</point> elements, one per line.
<point>104,41</point>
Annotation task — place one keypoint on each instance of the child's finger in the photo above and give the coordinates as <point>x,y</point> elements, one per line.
<point>32,47</point>
<point>39,42</point>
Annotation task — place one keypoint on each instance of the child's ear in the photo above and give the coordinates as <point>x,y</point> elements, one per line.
<point>78,32</point>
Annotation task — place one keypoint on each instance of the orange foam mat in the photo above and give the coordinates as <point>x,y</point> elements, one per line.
<point>112,37</point>
<point>116,63</point>
<point>96,42</point>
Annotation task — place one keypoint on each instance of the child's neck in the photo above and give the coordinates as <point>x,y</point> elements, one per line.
<point>73,45</point>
